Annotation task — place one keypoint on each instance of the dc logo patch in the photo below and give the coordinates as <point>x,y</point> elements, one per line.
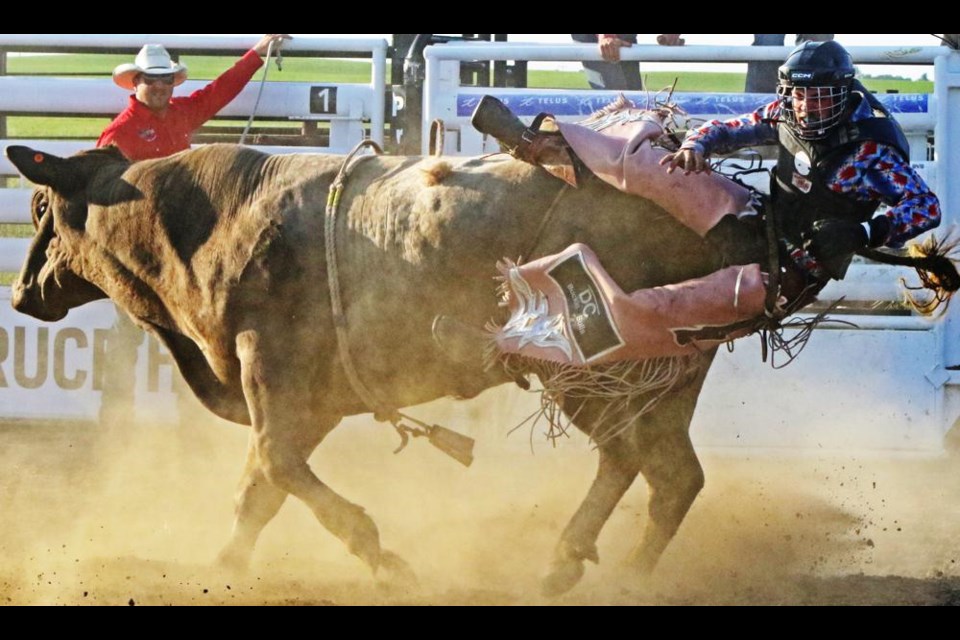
<point>801,162</point>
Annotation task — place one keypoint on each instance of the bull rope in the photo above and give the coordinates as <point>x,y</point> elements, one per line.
<point>381,410</point>
<point>934,261</point>
<point>545,220</point>
<point>263,82</point>
<point>455,445</point>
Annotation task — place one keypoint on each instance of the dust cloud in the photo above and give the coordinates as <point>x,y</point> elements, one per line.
<point>134,514</point>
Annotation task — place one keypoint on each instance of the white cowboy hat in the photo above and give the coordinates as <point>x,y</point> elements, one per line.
<point>153,60</point>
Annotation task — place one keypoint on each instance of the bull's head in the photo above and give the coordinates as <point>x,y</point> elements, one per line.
<point>52,279</point>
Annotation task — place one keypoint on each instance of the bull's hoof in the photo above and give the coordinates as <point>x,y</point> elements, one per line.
<point>395,572</point>
<point>641,562</point>
<point>563,575</point>
<point>232,561</point>
<point>364,542</point>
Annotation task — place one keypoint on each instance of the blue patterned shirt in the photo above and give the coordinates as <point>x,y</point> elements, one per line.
<point>874,172</point>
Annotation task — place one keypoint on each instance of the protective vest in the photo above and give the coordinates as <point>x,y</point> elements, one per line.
<point>799,186</point>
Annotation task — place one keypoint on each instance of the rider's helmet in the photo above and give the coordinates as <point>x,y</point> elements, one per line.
<point>814,86</point>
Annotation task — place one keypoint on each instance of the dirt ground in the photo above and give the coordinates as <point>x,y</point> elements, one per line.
<point>135,515</point>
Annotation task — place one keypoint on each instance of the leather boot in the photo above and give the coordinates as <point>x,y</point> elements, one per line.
<point>541,144</point>
<point>494,118</point>
<point>739,241</point>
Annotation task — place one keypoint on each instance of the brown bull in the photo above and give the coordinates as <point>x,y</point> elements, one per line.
<point>220,253</point>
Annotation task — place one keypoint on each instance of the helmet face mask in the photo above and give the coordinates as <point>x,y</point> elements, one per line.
<point>811,112</point>
<point>814,88</point>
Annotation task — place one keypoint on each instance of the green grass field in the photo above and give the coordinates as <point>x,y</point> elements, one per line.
<point>326,70</point>
<point>323,70</point>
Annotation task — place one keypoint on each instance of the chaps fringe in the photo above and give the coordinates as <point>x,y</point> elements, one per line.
<point>629,389</point>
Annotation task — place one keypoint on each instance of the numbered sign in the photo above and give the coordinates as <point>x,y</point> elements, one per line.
<point>323,99</point>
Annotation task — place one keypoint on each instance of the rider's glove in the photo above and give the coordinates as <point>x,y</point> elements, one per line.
<point>833,242</point>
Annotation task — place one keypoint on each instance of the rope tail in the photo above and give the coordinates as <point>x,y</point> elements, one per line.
<point>934,260</point>
<point>263,82</point>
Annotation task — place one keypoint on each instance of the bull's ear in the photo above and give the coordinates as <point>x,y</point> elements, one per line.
<point>43,168</point>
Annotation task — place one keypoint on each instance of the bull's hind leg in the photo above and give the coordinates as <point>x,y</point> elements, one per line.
<point>283,420</point>
<point>579,539</point>
<point>675,477</point>
<point>658,445</point>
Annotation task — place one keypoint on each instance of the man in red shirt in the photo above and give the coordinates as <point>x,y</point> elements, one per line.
<point>155,124</point>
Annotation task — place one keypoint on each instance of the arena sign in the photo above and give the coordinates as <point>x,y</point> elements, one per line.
<point>54,371</point>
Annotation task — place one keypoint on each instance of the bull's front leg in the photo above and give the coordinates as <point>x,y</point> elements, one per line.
<point>257,502</point>
<point>284,425</point>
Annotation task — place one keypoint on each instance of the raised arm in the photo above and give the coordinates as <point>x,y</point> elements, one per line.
<point>723,136</point>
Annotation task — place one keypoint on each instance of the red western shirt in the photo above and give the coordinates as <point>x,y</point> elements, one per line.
<point>142,134</point>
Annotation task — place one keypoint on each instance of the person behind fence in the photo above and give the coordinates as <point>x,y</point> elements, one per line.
<point>614,73</point>
<point>156,124</point>
<point>841,155</point>
<point>762,74</point>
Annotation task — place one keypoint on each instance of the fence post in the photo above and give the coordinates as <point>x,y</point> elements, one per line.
<point>946,144</point>
<point>3,72</point>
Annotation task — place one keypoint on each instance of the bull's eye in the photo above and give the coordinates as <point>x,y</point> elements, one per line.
<point>39,207</point>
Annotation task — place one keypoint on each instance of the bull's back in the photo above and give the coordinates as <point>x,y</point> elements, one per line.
<point>448,222</point>
<point>417,238</point>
